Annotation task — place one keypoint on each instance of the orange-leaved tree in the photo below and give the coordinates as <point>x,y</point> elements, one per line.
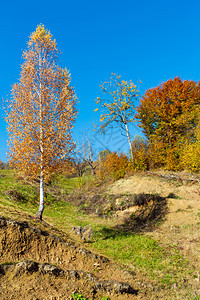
<point>115,165</point>
<point>140,154</point>
<point>117,106</point>
<point>168,114</point>
<point>41,112</point>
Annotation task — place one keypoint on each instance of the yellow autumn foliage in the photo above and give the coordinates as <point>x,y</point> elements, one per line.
<point>114,166</point>
<point>190,158</point>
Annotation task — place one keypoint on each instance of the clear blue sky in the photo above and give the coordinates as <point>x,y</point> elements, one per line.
<point>144,40</point>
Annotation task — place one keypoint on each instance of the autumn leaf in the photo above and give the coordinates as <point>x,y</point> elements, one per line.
<point>119,105</point>
<point>42,112</point>
<point>168,114</point>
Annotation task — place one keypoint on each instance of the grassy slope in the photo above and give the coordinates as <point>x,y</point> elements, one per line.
<point>165,267</point>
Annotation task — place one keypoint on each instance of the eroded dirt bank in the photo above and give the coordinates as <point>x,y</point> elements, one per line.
<point>180,226</point>
<point>36,265</point>
<point>31,280</point>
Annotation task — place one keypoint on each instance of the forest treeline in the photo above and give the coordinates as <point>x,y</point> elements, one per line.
<point>42,112</point>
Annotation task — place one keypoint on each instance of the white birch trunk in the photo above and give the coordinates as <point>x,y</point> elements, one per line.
<point>41,205</point>
<point>129,141</point>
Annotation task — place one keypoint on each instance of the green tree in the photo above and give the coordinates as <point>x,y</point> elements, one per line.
<point>41,113</point>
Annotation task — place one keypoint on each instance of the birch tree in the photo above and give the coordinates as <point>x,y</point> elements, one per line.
<point>41,112</point>
<point>118,105</point>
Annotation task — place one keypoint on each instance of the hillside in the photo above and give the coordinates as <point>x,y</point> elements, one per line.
<point>143,241</point>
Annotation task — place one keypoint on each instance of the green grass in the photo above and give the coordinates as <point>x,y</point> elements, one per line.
<point>77,296</point>
<point>67,185</point>
<point>164,265</point>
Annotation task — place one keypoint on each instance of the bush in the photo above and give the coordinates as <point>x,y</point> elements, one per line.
<point>162,156</point>
<point>114,166</point>
<point>190,158</point>
<point>156,155</point>
<point>140,154</point>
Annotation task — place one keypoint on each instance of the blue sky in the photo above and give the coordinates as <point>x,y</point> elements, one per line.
<point>150,41</point>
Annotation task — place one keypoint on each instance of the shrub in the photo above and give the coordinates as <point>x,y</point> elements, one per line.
<point>114,166</point>
<point>190,156</point>
<point>156,154</point>
<point>140,154</point>
<point>162,156</point>
<point>77,296</point>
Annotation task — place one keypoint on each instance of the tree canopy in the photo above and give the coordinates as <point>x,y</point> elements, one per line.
<point>117,106</point>
<point>42,111</point>
<point>170,108</point>
<point>168,114</point>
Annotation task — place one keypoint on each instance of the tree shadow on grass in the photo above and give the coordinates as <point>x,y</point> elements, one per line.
<point>151,212</point>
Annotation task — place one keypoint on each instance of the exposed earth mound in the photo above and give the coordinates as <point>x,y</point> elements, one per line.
<point>41,261</point>
<point>36,265</point>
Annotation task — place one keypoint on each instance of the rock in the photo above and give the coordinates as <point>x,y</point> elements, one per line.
<point>124,214</point>
<point>74,274</point>
<point>50,269</point>
<point>118,201</point>
<point>31,266</point>
<point>87,234</point>
<point>85,229</point>
<point>79,230</point>
<point>26,266</point>
<point>117,287</point>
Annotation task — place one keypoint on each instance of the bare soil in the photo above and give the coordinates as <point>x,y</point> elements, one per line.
<point>180,225</point>
<point>37,264</point>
